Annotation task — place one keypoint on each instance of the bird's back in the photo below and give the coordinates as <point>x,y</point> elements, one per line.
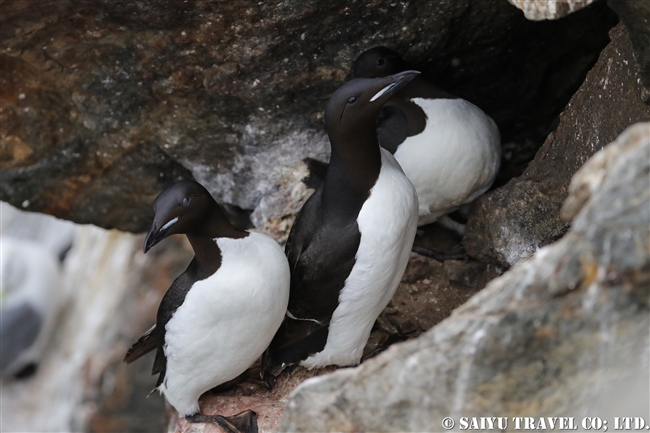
<point>454,160</point>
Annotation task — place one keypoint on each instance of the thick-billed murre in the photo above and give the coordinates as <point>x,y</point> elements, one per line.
<point>350,243</point>
<point>220,314</point>
<point>448,147</point>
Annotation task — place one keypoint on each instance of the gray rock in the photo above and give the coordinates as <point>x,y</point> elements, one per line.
<point>563,334</point>
<point>105,103</point>
<point>509,224</point>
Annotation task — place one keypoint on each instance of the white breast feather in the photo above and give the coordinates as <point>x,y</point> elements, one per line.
<point>226,320</point>
<point>454,160</point>
<point>387,222</point>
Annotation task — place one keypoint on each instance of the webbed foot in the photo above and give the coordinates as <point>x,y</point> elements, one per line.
<point>244,422</point>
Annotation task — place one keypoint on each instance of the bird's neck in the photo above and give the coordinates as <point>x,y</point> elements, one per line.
<point>207,255</point>
<point>203,239</point>
<point>354,166</point>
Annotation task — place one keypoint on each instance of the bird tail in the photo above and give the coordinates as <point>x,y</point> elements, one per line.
<point>295,340</point>
<point>144,345</point>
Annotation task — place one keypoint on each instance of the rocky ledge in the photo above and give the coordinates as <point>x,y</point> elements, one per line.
<point>565,333</point>
<point>105,103</point>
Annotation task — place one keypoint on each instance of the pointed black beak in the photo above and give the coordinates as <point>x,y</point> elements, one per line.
<point>394,83</point>
<point>403,78</point>
<point>154,236</point>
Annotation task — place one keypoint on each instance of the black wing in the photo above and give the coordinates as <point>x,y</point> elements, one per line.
<point>321,251</point>
<point>145,344</point>
<point>154,338</point>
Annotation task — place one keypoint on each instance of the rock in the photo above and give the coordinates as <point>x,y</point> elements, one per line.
<point>275,213</point>
<point>537,10</point>
<point>594,172</point>
<point>563,334</point>
<point>112,101</point>
<point>111,294</point>
<point>426,295</point>
<point>269,405</point>
<point>509,224</point>
<point>635,15</point>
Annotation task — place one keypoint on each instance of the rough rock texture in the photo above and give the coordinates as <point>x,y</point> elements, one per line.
<point>566,333</point>
<point>110,101</point>
<point>549,10</point>
<point>269,405</point>
<point>509,224</point>
<point>635,15</point>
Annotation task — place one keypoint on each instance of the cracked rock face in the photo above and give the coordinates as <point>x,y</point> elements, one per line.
<point>106,103</point>
<point>565,333</point>
<point>509,224</point>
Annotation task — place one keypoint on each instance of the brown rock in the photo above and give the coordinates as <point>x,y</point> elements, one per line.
<point>509,224</point>
<point>122,98</point>
<point>427,295</point>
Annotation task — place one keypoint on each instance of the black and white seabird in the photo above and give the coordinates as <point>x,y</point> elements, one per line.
<point>448,147</point>
<point>350,243</point>
<point>30,298</point>
<point>218,316</point>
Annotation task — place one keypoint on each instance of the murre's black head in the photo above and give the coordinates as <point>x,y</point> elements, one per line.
<point>361,100</point>
<point>378,62</point>
<point>181,208</point>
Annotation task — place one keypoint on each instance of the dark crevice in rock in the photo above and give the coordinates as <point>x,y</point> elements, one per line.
<point>510,223</point>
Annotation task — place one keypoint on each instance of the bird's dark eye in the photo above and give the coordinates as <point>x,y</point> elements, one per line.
<point>352,99</point>
<point>186,201</point>
<point>381,62</point>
